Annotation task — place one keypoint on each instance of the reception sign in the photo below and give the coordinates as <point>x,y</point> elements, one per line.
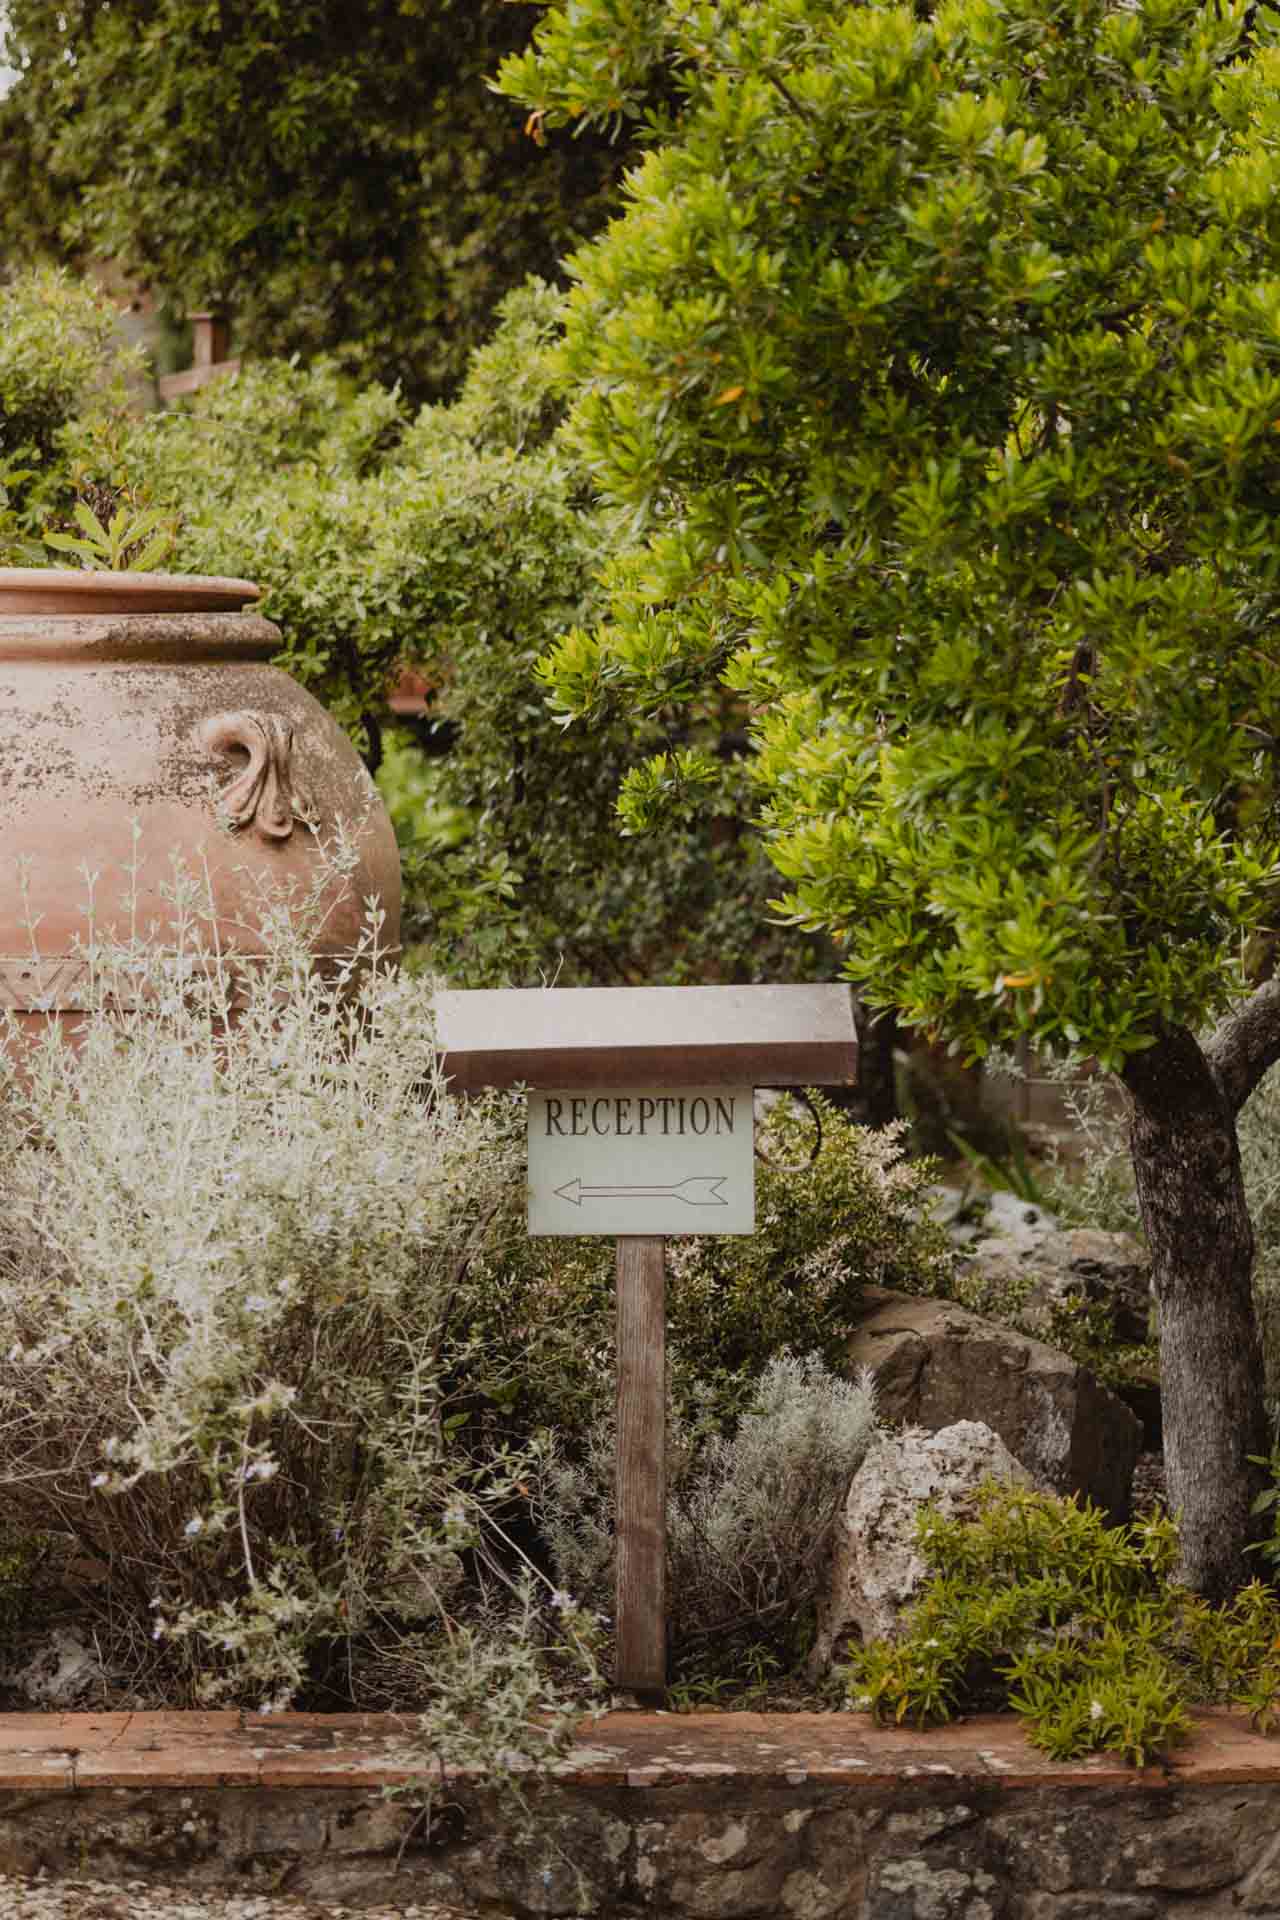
<point>645,1160</point>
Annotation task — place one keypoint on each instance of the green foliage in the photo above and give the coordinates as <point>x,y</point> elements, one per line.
<point>700,1679</point>
<point>61,358</point>
<point>60,348</point>
<point>21,1557</point>
<point>1012,1173</point>
<point>825,1229</point>
<point>855,1217</point>
<point>1032,1602</point>
<point>336,171</point>
<point>929,358</point>
<point>1268,1502</point>
<point>129,541</point>
<point>461,544</point>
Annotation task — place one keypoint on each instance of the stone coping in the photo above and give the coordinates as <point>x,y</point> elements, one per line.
<point>46,1752</point>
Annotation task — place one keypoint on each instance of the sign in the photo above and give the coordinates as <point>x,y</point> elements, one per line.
<point>644,1160</point>
<point>621,1143</point>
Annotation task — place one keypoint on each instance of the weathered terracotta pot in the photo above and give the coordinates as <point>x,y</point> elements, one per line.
<point>148,698</point>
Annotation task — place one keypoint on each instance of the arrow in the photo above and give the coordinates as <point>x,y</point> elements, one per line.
<point>699,1190</point>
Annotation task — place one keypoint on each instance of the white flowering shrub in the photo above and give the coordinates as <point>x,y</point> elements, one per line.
<point>237,1217</point>
<point>750,1515</point>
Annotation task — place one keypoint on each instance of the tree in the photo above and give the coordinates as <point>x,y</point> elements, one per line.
<point>336,171</point>
<point>937,360</point>
<point>460,543</point>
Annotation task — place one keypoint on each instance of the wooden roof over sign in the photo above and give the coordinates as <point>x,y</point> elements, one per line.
<point>566,1037</point>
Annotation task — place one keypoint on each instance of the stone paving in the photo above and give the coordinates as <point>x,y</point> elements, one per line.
<point>137,1900</point>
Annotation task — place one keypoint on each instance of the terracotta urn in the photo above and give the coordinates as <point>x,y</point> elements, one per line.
<point>142,727</point>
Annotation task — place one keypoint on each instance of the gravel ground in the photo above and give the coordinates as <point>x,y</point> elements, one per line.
<point>136,1900</point>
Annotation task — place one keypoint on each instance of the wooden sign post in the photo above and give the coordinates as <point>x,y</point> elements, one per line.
<point>640,1126</point>
<point>640,1469</point>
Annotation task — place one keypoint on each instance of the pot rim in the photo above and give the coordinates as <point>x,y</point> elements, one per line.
<point>64,590</point>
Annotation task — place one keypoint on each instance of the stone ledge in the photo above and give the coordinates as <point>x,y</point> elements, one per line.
<point>697,1817</point>
<point>74,1751</point>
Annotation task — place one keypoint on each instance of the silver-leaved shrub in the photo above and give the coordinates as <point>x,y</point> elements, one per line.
<point>238,1213</point>
<point>750,1512</point>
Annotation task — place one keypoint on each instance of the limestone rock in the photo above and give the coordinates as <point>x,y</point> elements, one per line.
<point>936,1363</point>
<point>1044,1269</point>
<point>970,1218</point>
<point>1020,1221</point>
<point>59,1667</point>
<point>1104,1269</point>
<point>876,1569</point>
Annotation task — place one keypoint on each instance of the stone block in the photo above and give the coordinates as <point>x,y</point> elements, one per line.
<point>936,1364</point>
<point>877,1570</point>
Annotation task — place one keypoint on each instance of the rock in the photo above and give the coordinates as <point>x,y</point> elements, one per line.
<point>970,1217</point>
<point>59,1668</point>
<point>1017,1220</point>
<point>1045,1269</point>
<point>1106,1269</point>
<point>936,1363</point>
<point>1030,1283</point>
<point>876,1569</point>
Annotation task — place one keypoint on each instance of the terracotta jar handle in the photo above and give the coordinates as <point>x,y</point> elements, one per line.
<point>262,793</point>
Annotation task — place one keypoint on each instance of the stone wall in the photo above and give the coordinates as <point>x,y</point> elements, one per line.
<point>713,1817</point>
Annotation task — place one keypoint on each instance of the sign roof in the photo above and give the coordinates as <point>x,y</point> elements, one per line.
<point>568,1037</point>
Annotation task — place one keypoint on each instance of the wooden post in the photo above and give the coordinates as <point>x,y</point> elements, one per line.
<point>210,338</point>
<point>641,1486</point>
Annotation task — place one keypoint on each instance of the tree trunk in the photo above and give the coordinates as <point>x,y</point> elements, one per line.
<point>1186,1161</point>
<point>877,1079</point>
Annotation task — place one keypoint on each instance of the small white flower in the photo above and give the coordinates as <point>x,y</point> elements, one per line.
<point>257,1303</point>
<point>1096,1709</point>
<point>99,1480</point>
<point>562,1600</point>
<point>194,1525</point>
<point>933,1643</point>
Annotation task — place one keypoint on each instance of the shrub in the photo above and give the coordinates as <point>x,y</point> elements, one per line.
<point>1034,1603</point>
<point>459,544</point>
<point>60,348</point>
<point>854,1217</point>
<point>750,1513</point>
<point>21,1558</point>
<point>240,1370</point>
<point>61,356</point>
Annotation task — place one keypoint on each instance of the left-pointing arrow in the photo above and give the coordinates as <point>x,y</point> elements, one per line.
<point>699,1190</point>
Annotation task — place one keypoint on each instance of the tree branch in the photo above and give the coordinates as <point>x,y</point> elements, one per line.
<point>1246,1043</point>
